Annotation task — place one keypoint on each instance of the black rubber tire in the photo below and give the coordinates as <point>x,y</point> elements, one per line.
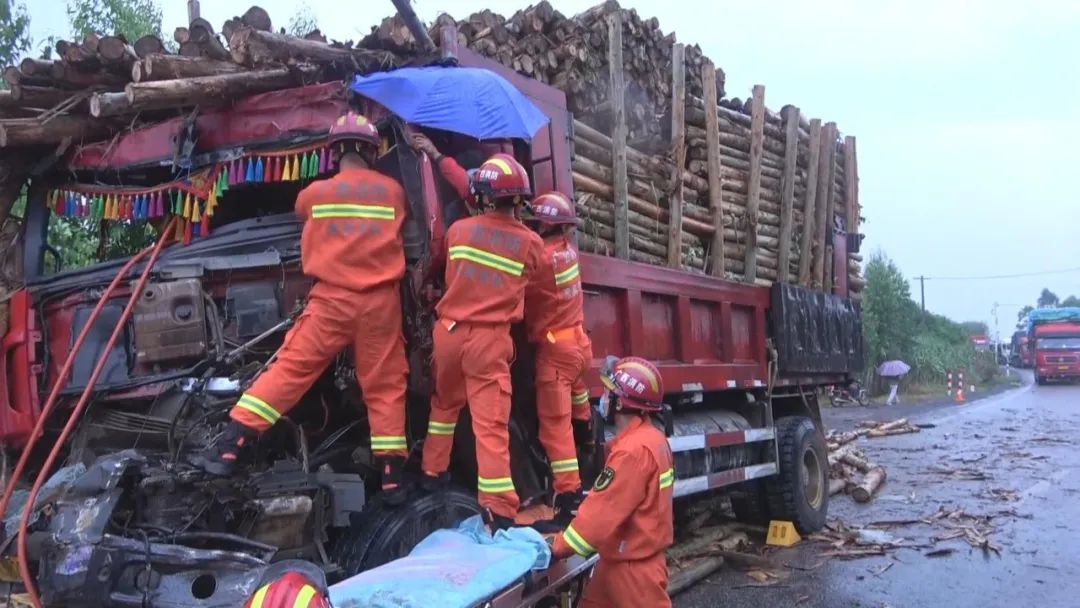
<point>1041,381</point>
<point>750,504</point>
<point>382,533</point>
<point>787,490</point>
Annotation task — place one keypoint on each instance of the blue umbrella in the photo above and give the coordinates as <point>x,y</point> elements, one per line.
<point>471,101</point>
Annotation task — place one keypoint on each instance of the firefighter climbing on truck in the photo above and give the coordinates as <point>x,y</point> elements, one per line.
<point>491,257</point>
<point>627,518</point>
<point>351,245</point>
<point>554,316</point>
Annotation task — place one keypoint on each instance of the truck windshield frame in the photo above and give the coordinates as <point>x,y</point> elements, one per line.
<point>1058,343</point>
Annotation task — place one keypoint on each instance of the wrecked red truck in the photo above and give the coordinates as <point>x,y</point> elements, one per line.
<point>125,522</point>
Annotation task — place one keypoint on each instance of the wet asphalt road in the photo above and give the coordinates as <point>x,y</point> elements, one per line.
<point>1011,457</point>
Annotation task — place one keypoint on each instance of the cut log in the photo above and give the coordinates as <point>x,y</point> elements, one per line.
<point>869,485</point>
<point>148,45</point>
<point>109,104</point>
<point>808,241</point>
<point>837,486</point>
<point>90,42</point>
<point>255,47</point>
<point>34,67</point>
<point>616,92</point>
<point>181,35</point>
<point>13,76</point>
<point>787,200</point>
<point>712,139</point>
<point>69,75</point>
<point>196,91</point>
<point>256,17</point>
<point>116,50</point>
<point>40,97</point>
<point>169,67</point>
<point>684,579</point>
<point>860,463</point>
<point>678,143</point>
<point>754,187</point>
<point>22,132</point>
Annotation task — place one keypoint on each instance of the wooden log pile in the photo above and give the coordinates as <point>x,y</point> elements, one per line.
<point>850,471</point>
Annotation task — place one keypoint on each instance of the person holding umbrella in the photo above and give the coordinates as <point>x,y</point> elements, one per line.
<point>894,371</point>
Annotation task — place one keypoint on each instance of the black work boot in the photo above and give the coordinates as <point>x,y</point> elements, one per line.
<point>496,522</point>
<point>435,483</point>
<point>220,457</point>
<point>394,489</point>
<point>566,506</point>
<point>583,435</point>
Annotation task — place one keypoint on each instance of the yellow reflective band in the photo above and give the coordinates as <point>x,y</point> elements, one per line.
<point>339,210</point>
<point>258,407</point>
<point>306,593</point>
<point>577,543</point>
<point>387,442</point>
<point>564,466</point>
<point>495,486</point>
<point>580,398</point>
<point>441,428</point>
<point>567,275</point>
<point>501,164</point>
<point>486,258</point>
<point>260,595</point>
<point>667,478</point>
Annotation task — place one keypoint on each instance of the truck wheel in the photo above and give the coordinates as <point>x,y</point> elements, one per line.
<point>1040,380</point>
<point>799,492</point>
<point>751,504</point>
<point>383,533</point>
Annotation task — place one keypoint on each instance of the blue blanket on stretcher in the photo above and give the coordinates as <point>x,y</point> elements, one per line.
<point>453,568</point>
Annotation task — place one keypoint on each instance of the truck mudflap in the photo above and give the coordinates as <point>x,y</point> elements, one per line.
<point>564,579</point>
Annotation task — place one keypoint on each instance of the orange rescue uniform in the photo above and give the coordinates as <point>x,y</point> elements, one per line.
<point>554,315</point>
<point>627,519</point>
<point>351,244</point>
<point>490,259</point>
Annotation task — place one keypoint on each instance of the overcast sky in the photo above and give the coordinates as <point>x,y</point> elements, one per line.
<point>967,114</point>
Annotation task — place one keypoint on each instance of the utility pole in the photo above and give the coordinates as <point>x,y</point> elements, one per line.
<point>922,292</point>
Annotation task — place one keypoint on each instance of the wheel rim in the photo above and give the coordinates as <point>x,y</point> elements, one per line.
<point>813,485</point>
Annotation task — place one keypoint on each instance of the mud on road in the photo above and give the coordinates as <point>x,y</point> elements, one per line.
<point>980,509</point>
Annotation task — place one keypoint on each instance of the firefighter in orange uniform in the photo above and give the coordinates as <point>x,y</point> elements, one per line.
<point>627,517</point>
<point>351,245</point>
<point>291,584</point>
<point>490,259</point>
<point>554,316</point>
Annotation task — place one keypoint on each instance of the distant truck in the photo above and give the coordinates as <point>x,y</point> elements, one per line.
<point>1021,350</point>
<point>1054,340</point>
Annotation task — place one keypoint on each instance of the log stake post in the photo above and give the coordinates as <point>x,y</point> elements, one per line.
<point>807,246</point>
<point>822,222</point>
<point>678,142</point>
<point>787,197</point>
<point>712,141</point>
<point>851,185</point>
<point>830,205</point>
<point>753,192</point>
<point>618,136</point>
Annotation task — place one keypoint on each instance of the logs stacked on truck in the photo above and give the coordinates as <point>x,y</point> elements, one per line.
<point>98,85</point>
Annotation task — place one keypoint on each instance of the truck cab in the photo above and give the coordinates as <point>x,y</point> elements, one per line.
<point>1056,351</point>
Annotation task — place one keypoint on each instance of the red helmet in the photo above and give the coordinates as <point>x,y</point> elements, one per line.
<point>553,209</point>
<point>501,176</point>
<point>635,381</point>
<point>353,127</point>
<point>287,585</point>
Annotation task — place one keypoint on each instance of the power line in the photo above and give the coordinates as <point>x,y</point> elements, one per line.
<point>1002,276</point>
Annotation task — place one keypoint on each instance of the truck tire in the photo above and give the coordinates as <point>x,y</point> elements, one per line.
<point>1040,380</point>
<point>799,492</point>
<point>383,533</point>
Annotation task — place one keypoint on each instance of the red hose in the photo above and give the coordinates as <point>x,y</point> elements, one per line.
<point>46,410</point>
<point>76,413</point>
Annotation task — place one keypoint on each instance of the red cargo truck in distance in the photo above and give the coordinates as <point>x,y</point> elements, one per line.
<point>1056,349</point>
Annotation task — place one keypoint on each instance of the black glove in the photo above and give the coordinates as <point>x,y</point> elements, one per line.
<point>546,526</point>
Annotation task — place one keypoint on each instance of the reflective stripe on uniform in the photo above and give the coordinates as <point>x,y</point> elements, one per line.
<point>440,428</point>
<point>564,466</point>
<point>258,407</point>
<point>260,595</point>
<point>337,210</point>
<point>387,442</point>
<point>494,485</point>
<point>580,398</point>
<point>306,593</point>
<point>567,275</point>
<point>486,258</point>
<point>667,478</point>
<point>577,542</point>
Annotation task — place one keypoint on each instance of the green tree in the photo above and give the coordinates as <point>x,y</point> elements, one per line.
<point>1047,299</point>
<point>303,22</point>
<point>14,32</point>
<point>1021,317</point>
<point>130,18</point>
<point>975,328</point>
<point>889,314</point>
<point>1071,301</point>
